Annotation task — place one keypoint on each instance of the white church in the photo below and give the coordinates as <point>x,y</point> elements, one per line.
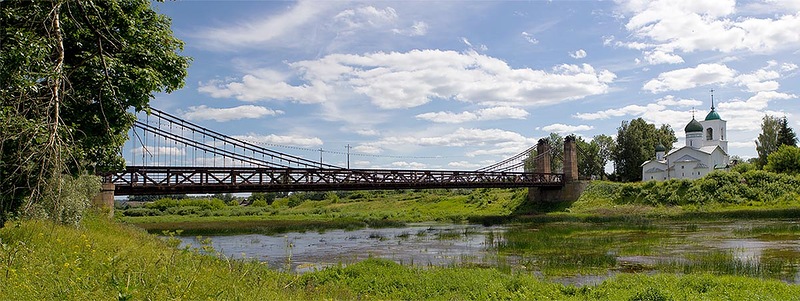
<point>706,150</point>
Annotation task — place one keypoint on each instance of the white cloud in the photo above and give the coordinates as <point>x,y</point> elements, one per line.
<point>158,151</point>
<point>448,117</point>
<point>418,29</point>
<point>760,80</point>
<point>412,165</point>
<point>287,140</point>
<point>464,165</point>
<point>578,54</point>
<point>461,137</point>
<point>264,85</point>
<point>627,110</point>
<point>363,17</point>
<point>264,30</point>
<point>529,37</point>
<point>670,100</point>
<point>203,112</point>
<point>404,80</point>
<point>493,113</point>
<point>566,129</point>
<point>687,78</point>
<point>788,67</point>
<point>367,132</point>
<point>659,57</point>
<point>688,26</point>
<point>367,149</point>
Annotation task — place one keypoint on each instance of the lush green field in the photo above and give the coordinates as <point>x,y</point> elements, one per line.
<point>351,210</point>
<point>102,260</point>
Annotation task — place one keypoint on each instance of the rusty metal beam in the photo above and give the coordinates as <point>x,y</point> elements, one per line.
<point>142,180</point>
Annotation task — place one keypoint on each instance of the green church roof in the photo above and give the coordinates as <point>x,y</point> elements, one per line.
<point>713,115</point>
<point>660,148</point>
<point>693,126</point>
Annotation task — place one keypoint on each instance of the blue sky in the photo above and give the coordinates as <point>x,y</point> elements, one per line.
<point>459,85</point>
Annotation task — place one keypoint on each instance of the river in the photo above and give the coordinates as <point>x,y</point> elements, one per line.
<point>760,248</point>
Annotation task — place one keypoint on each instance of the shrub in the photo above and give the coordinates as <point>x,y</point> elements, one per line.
<point>141,212</point>
<point>185,210</point>
<point>784,160</point>
<point>294,200</point>
<point>259,203</point>
<point>67,200</point>
<point>162,204</point>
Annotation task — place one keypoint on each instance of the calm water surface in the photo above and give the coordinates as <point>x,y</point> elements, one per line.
<point>453,245</point>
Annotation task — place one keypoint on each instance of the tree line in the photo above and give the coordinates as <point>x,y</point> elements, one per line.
<point>636,141</point>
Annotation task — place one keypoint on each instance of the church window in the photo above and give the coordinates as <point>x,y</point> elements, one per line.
<point>709,134</point>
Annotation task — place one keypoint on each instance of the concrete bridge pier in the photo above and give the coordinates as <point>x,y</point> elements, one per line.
<point>573,187</point>
<point>103,202</point>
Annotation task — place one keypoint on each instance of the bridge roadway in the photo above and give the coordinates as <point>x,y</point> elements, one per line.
<point>145,180</point>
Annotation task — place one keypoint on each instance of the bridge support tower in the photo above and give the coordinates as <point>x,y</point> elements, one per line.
<point>573,187</point>
<point>103,202</point>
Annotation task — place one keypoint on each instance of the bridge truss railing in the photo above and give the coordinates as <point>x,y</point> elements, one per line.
<point>136,180</point>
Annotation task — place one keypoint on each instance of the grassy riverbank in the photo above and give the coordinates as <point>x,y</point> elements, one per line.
<point>351,210</point>
<point>102,260</point>
<point>720,195</point>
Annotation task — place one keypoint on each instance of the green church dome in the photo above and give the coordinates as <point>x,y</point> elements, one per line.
<point>693,126</point>
<point>660,148</point>
<point>712,115</point>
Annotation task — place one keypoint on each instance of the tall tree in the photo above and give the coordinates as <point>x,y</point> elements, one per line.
<point>767,141</point>
<point>636,142</point>
<point>594,155</point>
<point>607,147</point>
<point>786,135</point>
<point>71,71</point>
<point>589,159</point>
<point>556,152</point>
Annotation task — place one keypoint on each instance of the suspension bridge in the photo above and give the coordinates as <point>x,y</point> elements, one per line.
<point>175,156</point>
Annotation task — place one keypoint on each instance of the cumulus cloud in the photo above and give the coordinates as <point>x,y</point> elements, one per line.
<point>287,140</point>
<point>566,129</point>
<point>670,100</point>
<point>687,26</point>
<point>660,57</point>
<point>264,85</point>
<point>226,114</point>
<point>578,54</point>
<point>403,80</point>
<point>687,78</point>
<point>624,111</point>
<point>763,79</point>
<point>493,113</point>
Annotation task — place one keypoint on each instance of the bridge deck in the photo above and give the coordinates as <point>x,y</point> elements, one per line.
<point>141,180</point>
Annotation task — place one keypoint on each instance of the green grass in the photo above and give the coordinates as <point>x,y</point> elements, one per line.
<point>360,209</point>
<point>104,261</point>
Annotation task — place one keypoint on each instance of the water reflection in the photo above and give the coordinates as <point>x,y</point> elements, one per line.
<point>760,246</point>
<point>419,244</point>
